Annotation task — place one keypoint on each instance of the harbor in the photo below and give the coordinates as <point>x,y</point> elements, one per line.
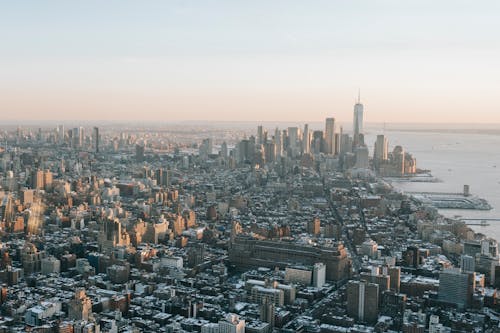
<point>444,200</point>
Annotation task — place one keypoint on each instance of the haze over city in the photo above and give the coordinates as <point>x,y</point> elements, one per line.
<point>414,61</point>
<point>249,166</point>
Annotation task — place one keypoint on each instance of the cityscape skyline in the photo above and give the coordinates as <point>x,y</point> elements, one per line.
<point>212,229</point>
<point>260,61</point>
<point>249,167</point>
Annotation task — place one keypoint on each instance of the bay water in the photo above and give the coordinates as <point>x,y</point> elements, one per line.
<point>456,157</point>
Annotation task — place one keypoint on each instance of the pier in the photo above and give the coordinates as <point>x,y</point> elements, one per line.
<point>438,193</point>
<point>481,224</point>
<point>450,200</point>
<point>486,219</point>
<point>484,222</point>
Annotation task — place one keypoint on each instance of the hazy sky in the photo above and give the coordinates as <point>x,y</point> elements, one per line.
<point>415,61</point>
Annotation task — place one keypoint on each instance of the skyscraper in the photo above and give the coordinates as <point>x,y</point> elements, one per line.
<point>80,307</point>
<point>260,135</point>
<point>330,135</point>
<point>467,263</point>
<point>358,122</point>
<point>306,140</point>
<point>139,152</point>
<point>362,301</point>
<point>318,142</point>
<point>267,310</point>
<point>456,287</point>
<point>381,149</point>
<point>362,161</point>
<point>77,137</point>
<point>95,137</point>
<point>345,144</point>
<point>81,136</point>
<point>159,177</point>
<point>60,134</point>
<point>223,150</point>
<point>37,179</point>
<point>205,149</point>
<point>270,151</point>
<point>313,226</point>
<point>278,142</point>
<point>293,136</point>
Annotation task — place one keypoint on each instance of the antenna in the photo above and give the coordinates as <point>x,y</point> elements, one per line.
<point>359,95</point>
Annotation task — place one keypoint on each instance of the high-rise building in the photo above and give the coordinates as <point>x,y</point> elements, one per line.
<point>223,150</point>
<point>77,136</point>
<point>318,142</point>
<point>383,281</point>
<point>139,152</point>
<point>337,143</point>
<point>47,179</point>
<point>206,148</point>
<point>330,135</point>
<point>159,177</point>
<point>398,156</point>
<point>60,134</point>
<point>313,226</point>
<point>293,136</point>
<point>50,265</point>
<point>269,292</point>
<point>369,248</point>
<point>345,144</point>
<point>246,150</point>
<point>306,140</point>
<point>37,180</point>
<point>260,135</point>
<point>80,307</point>
<point>278,141</point>
<point>358,122</point>
<point>267,311</point>
<point>362,160</point>
<point>95,138</point>
<point>380,153</point>
<point>362,301</point>
<point>395,277</point>
<point>111,235</point>
<point>270,152</point>
<point>456,287</point>
<point>73,136</point>
<point>467,263</point>
<point>319,275</point>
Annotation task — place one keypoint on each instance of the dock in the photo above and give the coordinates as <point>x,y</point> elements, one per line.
<point>481,224</point>
<point>447,200</point>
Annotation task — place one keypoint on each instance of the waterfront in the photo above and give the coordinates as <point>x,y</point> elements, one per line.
<point>456,158</point>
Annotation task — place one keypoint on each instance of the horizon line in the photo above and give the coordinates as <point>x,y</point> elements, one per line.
<point>197,121</point>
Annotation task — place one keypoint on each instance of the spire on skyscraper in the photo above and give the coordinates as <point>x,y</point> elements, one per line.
<point>358,121</point>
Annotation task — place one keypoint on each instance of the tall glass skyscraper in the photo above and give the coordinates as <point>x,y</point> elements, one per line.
<point>330,135</point>
<point>358,122</point>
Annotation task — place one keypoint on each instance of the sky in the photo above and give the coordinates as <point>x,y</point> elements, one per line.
<point>259,60</point>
